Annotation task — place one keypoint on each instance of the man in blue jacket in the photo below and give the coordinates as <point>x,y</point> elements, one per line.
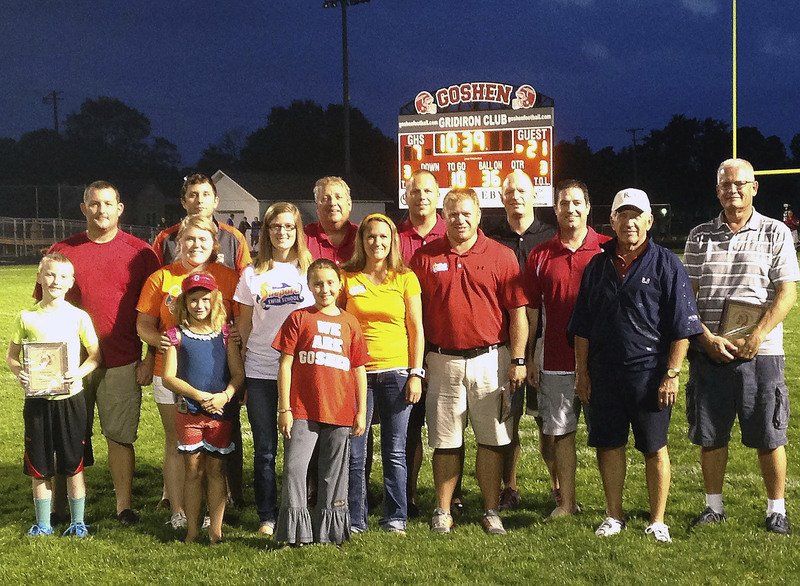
<point>632,322</point>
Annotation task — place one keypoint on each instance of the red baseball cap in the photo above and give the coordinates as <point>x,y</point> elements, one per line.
<point>199,281</point>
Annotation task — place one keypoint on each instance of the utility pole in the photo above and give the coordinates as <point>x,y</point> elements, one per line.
<point>633,132</point>
<point>53,98</point>
<point>345,76</point>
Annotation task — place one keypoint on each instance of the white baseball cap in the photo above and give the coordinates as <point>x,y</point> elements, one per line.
<point>631,197</point>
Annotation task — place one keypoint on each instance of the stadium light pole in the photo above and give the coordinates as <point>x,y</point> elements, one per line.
<point>345,75</point>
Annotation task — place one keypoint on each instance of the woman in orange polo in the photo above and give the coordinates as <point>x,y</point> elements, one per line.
<point>197,252</point>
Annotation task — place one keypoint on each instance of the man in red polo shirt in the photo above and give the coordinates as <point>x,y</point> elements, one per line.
<point>553,277</point>
<point>423,225</point>
<point>473,310</point>
<point>334,235</point>
<point>110,268</point>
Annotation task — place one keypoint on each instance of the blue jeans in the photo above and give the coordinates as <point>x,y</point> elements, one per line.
<point>262,410</point>
<point>386,392</point>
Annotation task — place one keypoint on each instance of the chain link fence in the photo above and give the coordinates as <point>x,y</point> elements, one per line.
<point>28,238</point>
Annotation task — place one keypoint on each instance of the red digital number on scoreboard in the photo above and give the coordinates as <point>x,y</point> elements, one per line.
<point>478,158</point>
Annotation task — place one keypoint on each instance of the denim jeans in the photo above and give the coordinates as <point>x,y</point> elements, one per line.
<point>386,393</point>
<point>262,410</point>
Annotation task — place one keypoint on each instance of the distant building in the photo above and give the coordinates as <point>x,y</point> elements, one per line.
<point>250,194</point>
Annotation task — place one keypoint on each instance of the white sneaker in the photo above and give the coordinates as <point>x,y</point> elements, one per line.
<point>610,526</point>
<point>206,522</point>
<point>178,520</point>
<point>660,531</point>
<point>267,528</point>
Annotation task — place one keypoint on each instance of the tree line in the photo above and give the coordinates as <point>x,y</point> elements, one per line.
<point>107,138</point>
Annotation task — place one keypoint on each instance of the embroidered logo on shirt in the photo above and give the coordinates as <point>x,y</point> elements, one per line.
<point>438,267</point>
<point>646,280</point>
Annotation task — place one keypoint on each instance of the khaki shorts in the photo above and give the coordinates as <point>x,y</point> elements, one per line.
<point>558,406</point>
<point>118,399</point>
<point>161,394</point>
<point>461,388</point>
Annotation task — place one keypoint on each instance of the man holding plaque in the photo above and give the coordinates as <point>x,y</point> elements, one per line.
<point>632,321</point>
<point>110,268</point>
<point>743,269</point>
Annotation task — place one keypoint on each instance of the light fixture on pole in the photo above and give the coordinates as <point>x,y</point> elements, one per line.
<point>345,75</point>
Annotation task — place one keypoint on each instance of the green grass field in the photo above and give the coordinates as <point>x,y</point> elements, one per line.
<point>533,551</point>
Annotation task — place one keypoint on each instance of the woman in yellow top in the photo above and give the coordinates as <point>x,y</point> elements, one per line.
<point>385,297</point>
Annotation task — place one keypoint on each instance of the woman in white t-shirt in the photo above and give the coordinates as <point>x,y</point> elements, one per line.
<point>267,293</point>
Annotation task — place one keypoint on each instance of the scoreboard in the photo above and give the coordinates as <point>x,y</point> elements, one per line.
<point>478,148</point>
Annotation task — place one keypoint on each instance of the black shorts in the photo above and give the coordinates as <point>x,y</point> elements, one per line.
<point>621,401</point>
<point>54,436</point>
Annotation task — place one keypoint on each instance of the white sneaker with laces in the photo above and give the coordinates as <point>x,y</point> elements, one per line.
<point>610,526</point>
<point>178,520</point>
<point>206,522</point>
<point>660,531</point>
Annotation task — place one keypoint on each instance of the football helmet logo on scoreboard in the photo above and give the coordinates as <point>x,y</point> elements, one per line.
<point>525,97</point>
<point>424,103</point>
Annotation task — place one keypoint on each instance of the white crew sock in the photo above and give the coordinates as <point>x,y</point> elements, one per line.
<point>776,506</point>
<point>714,502</point>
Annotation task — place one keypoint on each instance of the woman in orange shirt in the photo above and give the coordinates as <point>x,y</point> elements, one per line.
<point>197,249</point>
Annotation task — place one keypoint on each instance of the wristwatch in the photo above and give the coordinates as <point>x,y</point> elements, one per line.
<point>418,372</point>
<point>518,361</point>
<point>673,372</point>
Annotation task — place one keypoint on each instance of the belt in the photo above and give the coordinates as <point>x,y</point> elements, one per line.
<point>469,353</point>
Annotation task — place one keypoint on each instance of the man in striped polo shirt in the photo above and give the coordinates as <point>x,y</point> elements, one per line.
<point>743,256</point>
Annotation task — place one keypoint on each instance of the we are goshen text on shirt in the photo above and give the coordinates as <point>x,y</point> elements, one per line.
<point>326,350</point>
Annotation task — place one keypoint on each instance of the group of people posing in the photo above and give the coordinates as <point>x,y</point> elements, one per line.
<point>334,327</point>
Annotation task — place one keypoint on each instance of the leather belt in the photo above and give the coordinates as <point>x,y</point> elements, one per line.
<point>468,353</point>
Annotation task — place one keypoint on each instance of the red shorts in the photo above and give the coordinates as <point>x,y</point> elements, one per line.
<point>203,433</point>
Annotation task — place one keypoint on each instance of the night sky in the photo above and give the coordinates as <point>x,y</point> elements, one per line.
<point>198,69</point>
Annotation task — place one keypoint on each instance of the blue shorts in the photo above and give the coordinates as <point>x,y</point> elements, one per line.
<point>753,390</point>
<point>624,400</point>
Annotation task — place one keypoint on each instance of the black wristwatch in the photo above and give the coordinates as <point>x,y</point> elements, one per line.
<point>518,361</point>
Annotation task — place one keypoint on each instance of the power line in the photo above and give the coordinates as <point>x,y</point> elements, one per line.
<point>53,98</point>
<point>633,132</point>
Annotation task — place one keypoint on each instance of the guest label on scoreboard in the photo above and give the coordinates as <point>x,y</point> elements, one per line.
<point>460,136</point>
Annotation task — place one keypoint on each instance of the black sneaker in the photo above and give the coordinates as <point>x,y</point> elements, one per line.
<point>708,517</point>
<point>777,523</point>
<point>128,517</point>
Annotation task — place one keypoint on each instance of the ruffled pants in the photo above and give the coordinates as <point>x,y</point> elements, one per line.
<point>330,520</point>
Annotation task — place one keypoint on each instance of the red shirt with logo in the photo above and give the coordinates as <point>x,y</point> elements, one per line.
<point>320,246</point>
<point>108,278</point>
<point>466,297</point>
<point>410,239</point>
<point>326,350</point>
<point>553,278</point>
